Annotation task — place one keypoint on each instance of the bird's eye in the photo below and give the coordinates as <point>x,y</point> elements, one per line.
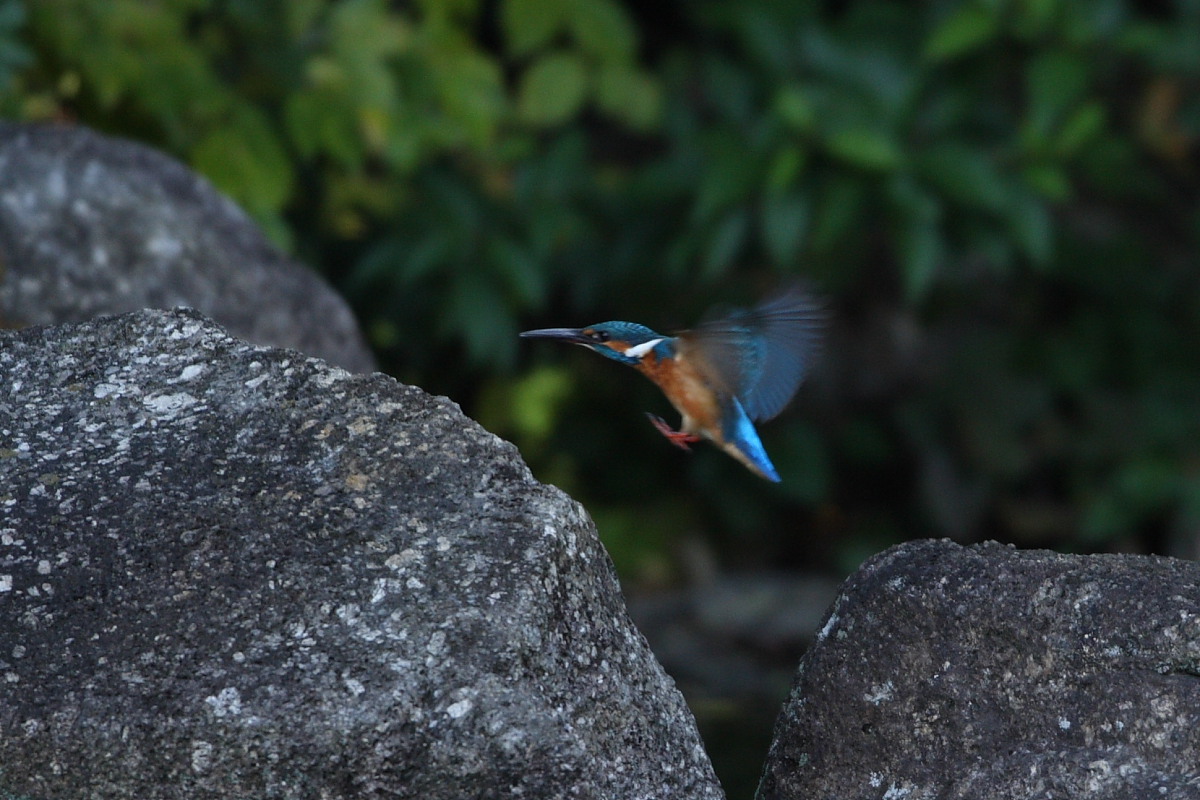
<point>598,336</point>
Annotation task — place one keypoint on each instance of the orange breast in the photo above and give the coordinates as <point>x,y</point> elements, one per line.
<point>688,391</point>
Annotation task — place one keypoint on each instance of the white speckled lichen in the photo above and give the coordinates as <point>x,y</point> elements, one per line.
<point>228,568</point>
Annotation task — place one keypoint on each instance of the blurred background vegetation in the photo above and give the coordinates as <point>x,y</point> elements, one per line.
<point>998,198</point>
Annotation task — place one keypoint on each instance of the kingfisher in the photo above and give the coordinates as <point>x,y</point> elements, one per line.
<point>731,370</point>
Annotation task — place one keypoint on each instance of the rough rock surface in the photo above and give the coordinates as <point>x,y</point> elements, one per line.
<point>234,572</point>
<point>92,225</point>
<point>987,672</point>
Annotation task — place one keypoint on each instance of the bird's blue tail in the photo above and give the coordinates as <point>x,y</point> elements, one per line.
<point>742,442</point>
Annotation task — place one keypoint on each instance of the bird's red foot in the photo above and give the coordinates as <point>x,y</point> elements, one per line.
<point>677,438</point>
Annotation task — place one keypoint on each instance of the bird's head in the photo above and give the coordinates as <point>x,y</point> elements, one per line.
<point>626,342</point>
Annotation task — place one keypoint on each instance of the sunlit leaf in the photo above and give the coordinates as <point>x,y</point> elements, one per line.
<point>537,398</point>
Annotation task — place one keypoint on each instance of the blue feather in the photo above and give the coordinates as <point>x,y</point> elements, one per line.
<point>739,431</point>
<point>761,355</point>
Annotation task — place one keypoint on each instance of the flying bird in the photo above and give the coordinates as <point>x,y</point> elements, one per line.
<point>734,369</point>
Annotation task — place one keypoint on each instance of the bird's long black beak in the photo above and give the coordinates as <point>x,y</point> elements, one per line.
<point>573,335</point>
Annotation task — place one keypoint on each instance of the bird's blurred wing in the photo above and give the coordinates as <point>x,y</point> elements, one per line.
<point>760,355</point>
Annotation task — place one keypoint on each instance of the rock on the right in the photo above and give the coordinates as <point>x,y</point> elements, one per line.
<point>955,672</point>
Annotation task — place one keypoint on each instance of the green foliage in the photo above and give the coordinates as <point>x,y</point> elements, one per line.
<point>997,196</point>
<point>13,55</point>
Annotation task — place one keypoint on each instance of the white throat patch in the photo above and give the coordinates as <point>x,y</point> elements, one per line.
<point>639,350</point>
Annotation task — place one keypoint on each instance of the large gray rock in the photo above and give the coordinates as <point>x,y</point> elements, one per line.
<point>91,225</point>
<point>234,572</point>
<point>987,672</point>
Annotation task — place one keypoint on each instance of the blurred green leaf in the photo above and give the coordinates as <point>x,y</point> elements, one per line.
<point>1190,501</point>
<point>865,441</point>
<point>518,269</point>
<point>801,457</point>
<point>838,210</point>
<point>552,90</point>
<point>969,26</point>
<point>629,95</point>
<point>783,223</point>
<point>319,125</point>
<point>725,243</point>
<point>471,95</point>
<point>1032,228</point>
<point>1048,180</point>
<point>785,167</point>
<point>13,54</point>
<point>918,235</point>
<point>727,180</point>
<point>794,109</point>
<point>1034,18</point>
<point>476,311</point>
<point>866,149</point>
<point>729,87</point>
<point>413,261</point>
<point>1103,519</point>
<point>537,398</point>
<point>1086,23</point>
<point>1080,128</point>
<point>1055,82</point>
<point>530,25</point>
<point>966,175</point>
<point>638,538</point>
<point>246,160</point>
<point>12,15</point>
<point>362,33</point>
<point>299,16</point>
<point>454,181</point>
<point>920,250</point>
<point>1148,483</point>
<point>601,29</point>
<point>766,40</point>
<point>376,266</point>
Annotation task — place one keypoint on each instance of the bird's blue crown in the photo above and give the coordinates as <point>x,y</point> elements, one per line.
<point>629,334</point>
